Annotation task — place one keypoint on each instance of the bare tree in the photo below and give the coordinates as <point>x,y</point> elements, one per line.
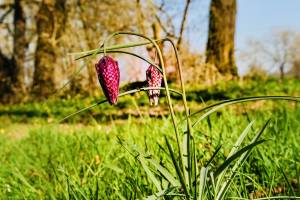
<point>278,50</point>
<point>183,22</point>
<point>140,17</point>
<point>295,56</point>
<point>220,44</point>
<point>19,50</point>
<point>50,23</point>
<point>12,69</point>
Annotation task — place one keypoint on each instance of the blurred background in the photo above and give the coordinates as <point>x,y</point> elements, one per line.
<point>229,49</point>
<point>218,40</point>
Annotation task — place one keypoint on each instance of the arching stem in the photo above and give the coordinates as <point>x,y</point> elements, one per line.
<point>138,56</point>
<point>106,40</point>
<point>120,95</point>
<point>189,126</point>
<point>167,91</point>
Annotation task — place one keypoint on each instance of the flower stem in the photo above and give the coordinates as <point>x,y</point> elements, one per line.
<point>167,89</point>
<point>189,126</point>
<point>114,47</point>
<point>120,95</point>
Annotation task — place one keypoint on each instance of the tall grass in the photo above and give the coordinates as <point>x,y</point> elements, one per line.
<point>71,160</point>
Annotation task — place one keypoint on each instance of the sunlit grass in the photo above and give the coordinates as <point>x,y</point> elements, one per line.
<point>86,161</point>
<point>82,158</point>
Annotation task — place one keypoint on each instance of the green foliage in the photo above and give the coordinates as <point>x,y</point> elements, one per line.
<point>71,160</point>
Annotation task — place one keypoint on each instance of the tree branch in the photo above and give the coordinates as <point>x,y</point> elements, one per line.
<point>183,22</point>
<point>5,14</point>
<point>169,34</point>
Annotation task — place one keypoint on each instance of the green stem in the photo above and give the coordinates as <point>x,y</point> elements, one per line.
<point>189,126</point>
<point>138,56</point>
<point>107,39</point>
<point>219,105</point>
<point>120,95</point>
<point>167,90</point>
<point>114,47</point>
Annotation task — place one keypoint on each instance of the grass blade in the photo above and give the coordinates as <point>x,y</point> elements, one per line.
<point>164,172</point>
<point>234,149</point>
<point>238,164</point>
<point>237,155</point>
<point>150,174</point>
<point>177,168</point>
<point>202,184</point>
<point>286,180</point>
<point>219,105</point>
<point>241,139</point>
<point>185,157</point>
<point>213,156</point>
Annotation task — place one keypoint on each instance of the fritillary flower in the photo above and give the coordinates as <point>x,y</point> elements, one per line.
<point>109,77</point>
<point>154,79</point>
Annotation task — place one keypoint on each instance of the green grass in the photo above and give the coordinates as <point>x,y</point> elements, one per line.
<point>83,159</point>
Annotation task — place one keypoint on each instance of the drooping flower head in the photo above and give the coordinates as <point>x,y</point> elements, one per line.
<point>154,79</point>
<point>109,77</point>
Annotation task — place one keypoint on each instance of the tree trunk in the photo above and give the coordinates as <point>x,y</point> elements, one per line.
<point>296,68</point>
<point>281,68</point>
<point>140,17</point>
<point>50,25</point>
<point>12,76</point>
<point>5,78</point>
<point>92,77</point>
<point>220,44</point>
<point>19,51</point>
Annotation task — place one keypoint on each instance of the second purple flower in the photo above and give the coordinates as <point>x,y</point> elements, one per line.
<point>154,79</point>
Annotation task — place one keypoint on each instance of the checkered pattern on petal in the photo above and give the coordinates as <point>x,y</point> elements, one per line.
<point>154,79</point>
<point>109,77</point>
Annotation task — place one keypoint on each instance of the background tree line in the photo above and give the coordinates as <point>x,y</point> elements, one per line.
<point>36,37</point>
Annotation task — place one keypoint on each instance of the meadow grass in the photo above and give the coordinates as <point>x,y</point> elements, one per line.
<point>83,159</point>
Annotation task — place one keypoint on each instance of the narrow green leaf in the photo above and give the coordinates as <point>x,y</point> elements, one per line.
<point>219,105</point>
<point>164,172</point>
<point>238,164</point>
<point>237,155</point>
<point>286,180</point>
<point>185,157</point>
<point>150,174</point>
<point>241,138</point>
<point>120,95</point>
<point>162,193</point>
<point>84,54</point>
<point>213,156</point>
<point>202,184</point>
<point>177,168</point>
<point>234,149</point>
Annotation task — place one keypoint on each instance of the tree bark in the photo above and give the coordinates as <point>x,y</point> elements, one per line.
<point>51,19</point>
<point>92,79</point>
<point>220,44</point>
<point>5,78</point>
<point>140,17</point>
<point>19,51</point>
<point>12,72</point>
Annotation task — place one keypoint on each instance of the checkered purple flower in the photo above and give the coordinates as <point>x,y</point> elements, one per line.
<point>109,77</point>
<point>154,79</point>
